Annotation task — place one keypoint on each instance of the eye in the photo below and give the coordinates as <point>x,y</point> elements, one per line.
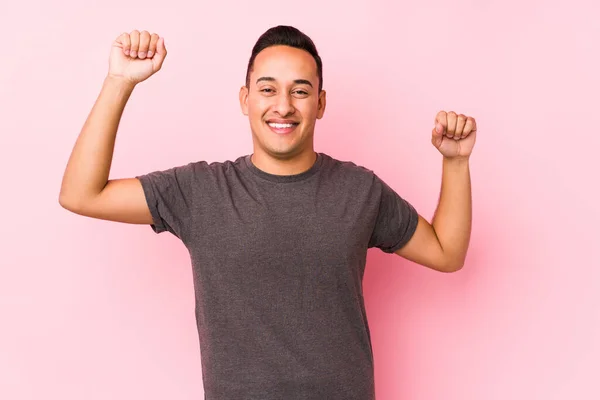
<point>266,90</point>
<point>301,92</point>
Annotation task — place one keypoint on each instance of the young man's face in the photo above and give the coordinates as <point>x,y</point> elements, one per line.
<point>283,101</point>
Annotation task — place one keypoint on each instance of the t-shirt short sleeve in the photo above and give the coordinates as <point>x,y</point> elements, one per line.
<point>169,194</point>
<point>396,219</point>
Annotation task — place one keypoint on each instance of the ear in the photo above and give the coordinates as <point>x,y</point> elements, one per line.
<point>244,99</point>
<point>321,105</point>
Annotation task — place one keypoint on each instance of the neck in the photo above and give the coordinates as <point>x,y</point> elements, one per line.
<point>284,166</point>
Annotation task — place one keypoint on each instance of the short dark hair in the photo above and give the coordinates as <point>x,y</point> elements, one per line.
<point>285,36</point>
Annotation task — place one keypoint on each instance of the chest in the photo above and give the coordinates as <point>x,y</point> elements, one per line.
<point>279,253</point>
<point>285,232</point>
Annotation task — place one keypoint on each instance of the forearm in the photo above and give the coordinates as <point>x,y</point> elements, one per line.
<point>88,167</point>
<point>452,218</point>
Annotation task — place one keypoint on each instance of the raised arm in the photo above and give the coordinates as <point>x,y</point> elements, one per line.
<point>443,244</point>
<point>86,189</point>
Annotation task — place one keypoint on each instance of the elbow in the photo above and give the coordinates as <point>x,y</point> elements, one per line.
<point>62,199</point>
<point>452,260</point>
<point>454,265</point>
<point>452,268</point>
<point>65,202</point>
<point>77,202</point>
<point>445,266</point>
<point>69,203</point>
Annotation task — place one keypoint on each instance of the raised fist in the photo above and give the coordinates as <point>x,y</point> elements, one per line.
<point>136,56</point>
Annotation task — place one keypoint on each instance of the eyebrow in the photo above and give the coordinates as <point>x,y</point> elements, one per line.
<point>296,81</point>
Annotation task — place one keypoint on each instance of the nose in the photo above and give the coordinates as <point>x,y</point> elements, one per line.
<point>284,105</point>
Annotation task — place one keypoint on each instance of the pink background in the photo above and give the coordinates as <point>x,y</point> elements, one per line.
<point>99,310</point>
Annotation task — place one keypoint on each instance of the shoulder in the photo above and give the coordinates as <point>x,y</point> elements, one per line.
<point>348,171</point>
<point>211,168</point>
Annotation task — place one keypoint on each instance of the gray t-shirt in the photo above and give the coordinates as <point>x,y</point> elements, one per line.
<point>278,263</point>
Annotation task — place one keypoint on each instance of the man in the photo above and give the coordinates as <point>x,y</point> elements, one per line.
<point>278,239</point>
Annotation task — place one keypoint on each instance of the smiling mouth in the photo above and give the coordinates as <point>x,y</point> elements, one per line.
<point>282,128</point>
<point>278,125</point>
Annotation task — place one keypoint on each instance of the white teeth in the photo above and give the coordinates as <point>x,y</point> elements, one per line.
<point>280,126</point>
